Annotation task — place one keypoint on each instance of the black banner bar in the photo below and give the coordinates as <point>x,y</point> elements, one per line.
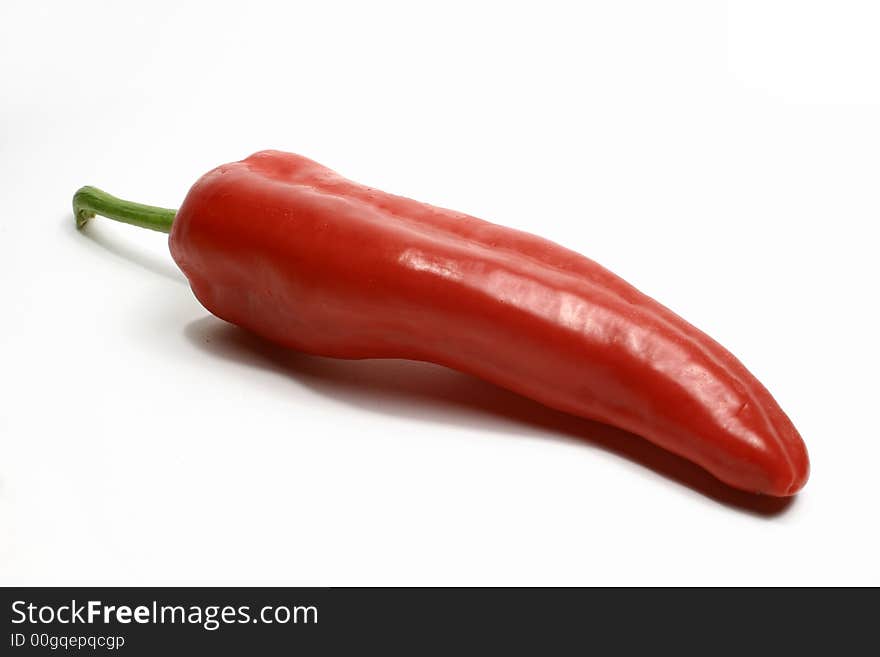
<point>151,621</point>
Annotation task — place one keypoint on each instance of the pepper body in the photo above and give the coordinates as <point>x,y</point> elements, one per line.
<point>292,251</point>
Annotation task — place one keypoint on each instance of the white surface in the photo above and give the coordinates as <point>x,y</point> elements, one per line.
<point>723,159</point>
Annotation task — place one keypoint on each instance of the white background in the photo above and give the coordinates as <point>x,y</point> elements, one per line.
<point>723,158</point>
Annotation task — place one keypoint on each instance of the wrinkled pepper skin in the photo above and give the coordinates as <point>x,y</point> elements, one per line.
<point>292,251</point>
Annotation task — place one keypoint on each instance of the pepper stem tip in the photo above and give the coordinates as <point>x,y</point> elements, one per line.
<point>90,201</point>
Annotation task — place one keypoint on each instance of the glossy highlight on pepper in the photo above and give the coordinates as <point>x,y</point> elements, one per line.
<point>287,248</point>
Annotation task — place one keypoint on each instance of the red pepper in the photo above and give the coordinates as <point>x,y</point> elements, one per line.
<point>292,251</point>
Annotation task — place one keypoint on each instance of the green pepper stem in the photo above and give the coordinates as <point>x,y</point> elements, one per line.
<point>89,201</point>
